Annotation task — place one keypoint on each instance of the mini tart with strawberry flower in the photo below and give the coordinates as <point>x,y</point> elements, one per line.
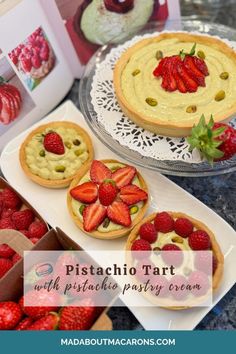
<point>165,83</point>
<point>176,231</point>
<point>54,153</point>
<point>107,198</point>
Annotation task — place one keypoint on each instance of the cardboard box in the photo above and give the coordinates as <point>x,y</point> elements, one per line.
<point>11,285</point>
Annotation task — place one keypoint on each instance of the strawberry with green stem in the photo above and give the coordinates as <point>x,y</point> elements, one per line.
<point>214,141</point>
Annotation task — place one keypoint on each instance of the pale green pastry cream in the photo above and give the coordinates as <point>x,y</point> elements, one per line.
<point>101,26</point>
<point>112,226</point>
<point>163,239</point>
<point>172,106</point>
<point>45,166</point>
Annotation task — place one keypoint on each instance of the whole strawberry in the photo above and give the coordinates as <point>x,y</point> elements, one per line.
<point>16,258</point>
<point>215,141</point>
<point>45,323</point>
<point>10,315</point>
<point>107,192</point>
<point>41,303</point>
<point>5,266</point>
<point>24,324</point>
<point>7,212</point>
<point>79,317</point>
<point>6,251</point>
<point>53,143</point>
<point>228,139</point>
<point>22,219</point>
<point>10,199</point>
<point>37,229</point>
<point>7,223</point>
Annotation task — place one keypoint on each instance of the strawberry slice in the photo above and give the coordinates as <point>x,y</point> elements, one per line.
<point>179,82</point>
<point>132,194</point>
<point>93,216</point>
<point>15,92</point>
<point>159,69</point>
<point>11,103</point>
<point>172,82</point>
<point>189,83</point>
<point>193,71</point>
<point>165,75</point>
<point>201,65</point>
<point>6,113</point>
<point>99,172</point>
<point>85,193</point>
<point>118,212</point>
<point>124,176</point>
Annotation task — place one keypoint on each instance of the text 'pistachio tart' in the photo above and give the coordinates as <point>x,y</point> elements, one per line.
<point>54,153</point>
<point>107,198</point>
<point>176,231</point>
<point>165,83</point>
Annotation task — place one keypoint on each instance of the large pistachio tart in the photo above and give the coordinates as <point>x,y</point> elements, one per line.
<point>177,231</point>
<point>107,199</point>
<point>53,153</point>
<point>165,83</point>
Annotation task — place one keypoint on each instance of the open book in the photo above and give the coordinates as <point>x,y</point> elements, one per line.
<point>45,45</point>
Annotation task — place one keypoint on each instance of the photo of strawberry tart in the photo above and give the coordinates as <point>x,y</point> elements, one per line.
<point>34,58</point>
<point>107,198</point>
<point>165,83</point>
<point>10,102</point>
<point>176,232</point>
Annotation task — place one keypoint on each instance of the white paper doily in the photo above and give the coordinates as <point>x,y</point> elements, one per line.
<point>121,128</point>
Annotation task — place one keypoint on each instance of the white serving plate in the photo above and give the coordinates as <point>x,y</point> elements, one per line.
<point>164,195</point>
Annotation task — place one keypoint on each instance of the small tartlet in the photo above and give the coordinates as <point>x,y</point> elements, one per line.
<point>168,127</point>
<point>198,225</point>
<point>55,183</point>
<point>109,235</point>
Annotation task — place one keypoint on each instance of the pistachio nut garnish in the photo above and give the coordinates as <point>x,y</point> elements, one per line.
<point>76,142</point>
<point>133,210</point>
<point>136,72</point>
<point>151,101</point>
<point>81,208</point>
<point>106,223</point>
<point>224,75</point>
<point>78,152</point>
<point>159,54</point>
<point>191,109</point>
<point>157,250</point>
<point>68,144</point>
<point>220,95</point>
<point>201,54</point>
<point>177,239</point>
<point>60,168</point>
<point>115,168</point>
<point>42,153</point>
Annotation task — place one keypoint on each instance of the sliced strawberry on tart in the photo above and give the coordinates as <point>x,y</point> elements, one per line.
<point>175,231</point>
<point>107,199</point>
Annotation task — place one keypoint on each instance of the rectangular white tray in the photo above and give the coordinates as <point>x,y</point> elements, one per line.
<point>164,195</point>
